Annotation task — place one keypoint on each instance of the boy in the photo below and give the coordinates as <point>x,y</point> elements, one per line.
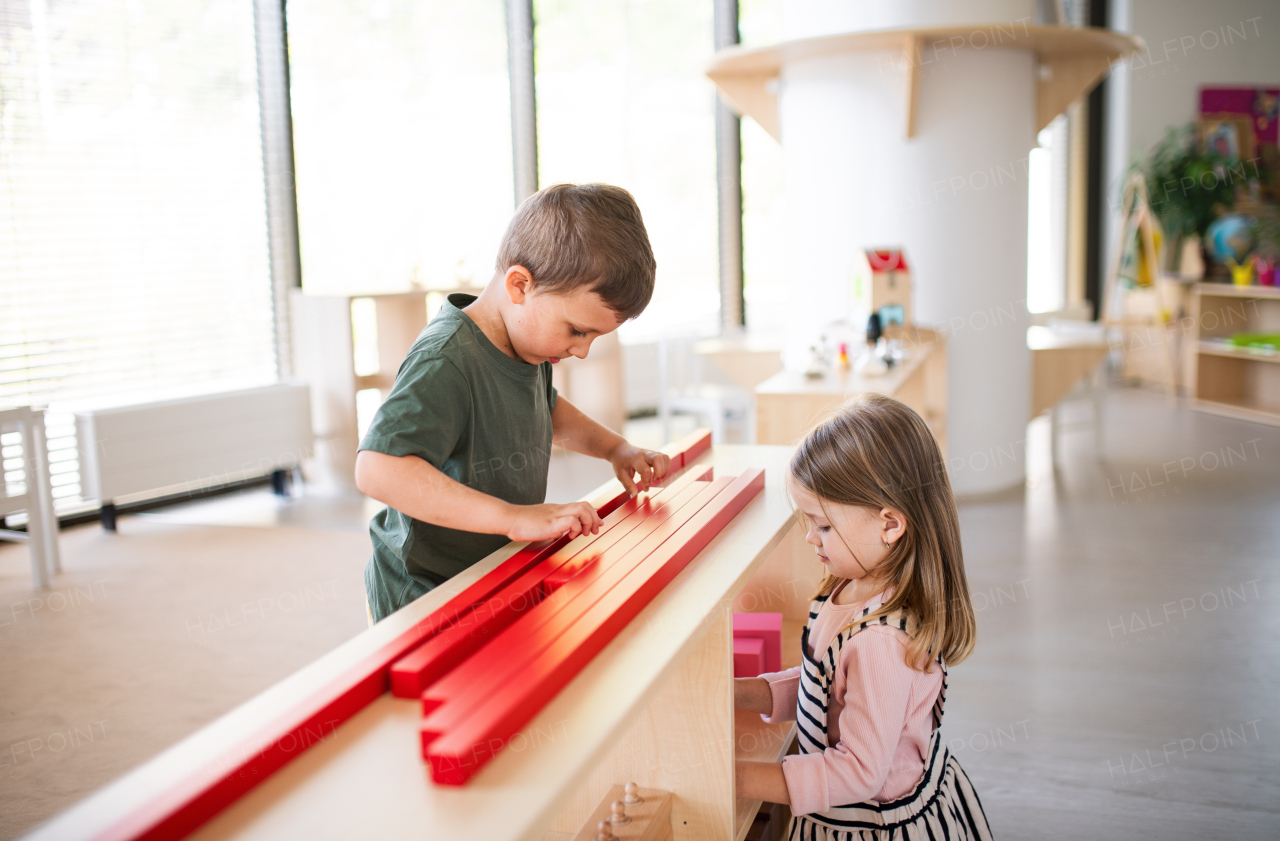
<point>460,449</point>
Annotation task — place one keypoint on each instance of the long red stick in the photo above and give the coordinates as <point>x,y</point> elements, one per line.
<point>472,629</point>
<point>487,670</point>
<point>457,755</point>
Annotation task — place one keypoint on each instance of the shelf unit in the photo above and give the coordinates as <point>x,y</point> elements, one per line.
<point>1226,380</point>
<point>1072,60</point>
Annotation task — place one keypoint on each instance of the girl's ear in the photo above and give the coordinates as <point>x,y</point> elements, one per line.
<point>893,525</point>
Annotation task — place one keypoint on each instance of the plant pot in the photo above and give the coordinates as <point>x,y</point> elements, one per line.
<point>1191,259</point>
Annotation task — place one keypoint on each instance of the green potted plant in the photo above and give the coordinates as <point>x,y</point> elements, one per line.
<point>1188,187</point>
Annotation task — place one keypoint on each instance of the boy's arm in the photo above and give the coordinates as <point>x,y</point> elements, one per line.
<point>576,431</point>
<point>413,486</point>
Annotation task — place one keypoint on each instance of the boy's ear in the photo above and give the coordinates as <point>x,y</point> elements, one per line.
<point>519,283</point>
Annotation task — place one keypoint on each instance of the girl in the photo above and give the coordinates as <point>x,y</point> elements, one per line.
<point>892,612</point>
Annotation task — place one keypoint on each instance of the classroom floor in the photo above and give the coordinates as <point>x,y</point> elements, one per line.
<point>1127,612</point>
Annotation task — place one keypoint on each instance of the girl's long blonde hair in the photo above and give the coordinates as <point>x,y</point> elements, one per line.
<point>876,452</point>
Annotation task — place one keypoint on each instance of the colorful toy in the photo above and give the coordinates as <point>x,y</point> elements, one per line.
<point>765,627</point>
<point>1266,269</point>
<point>880,278</point>
<point>748,657</point>
<point>1241,273</point>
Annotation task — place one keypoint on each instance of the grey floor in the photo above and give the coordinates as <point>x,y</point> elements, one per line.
<point>1128,669</point>
<point>1126,661</point>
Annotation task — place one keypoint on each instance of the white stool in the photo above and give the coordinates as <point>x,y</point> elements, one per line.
<point>37,496</point>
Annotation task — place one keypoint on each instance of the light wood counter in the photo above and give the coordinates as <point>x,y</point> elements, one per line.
<point>788,404</point>
<point>655,707</point>
<point>1058,362</point>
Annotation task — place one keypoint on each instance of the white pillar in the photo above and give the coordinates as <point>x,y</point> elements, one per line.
<point>954,196</point>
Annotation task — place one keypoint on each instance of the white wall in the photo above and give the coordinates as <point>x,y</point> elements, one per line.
<point>1191,43</point>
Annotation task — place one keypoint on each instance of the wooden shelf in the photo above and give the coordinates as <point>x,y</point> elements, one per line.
<point>1230,381</point>
<point>1212,348</point>
<point>1243,409</point>
<point>1230,290</point>
<point>759,742</point>
<point>1072,61</point>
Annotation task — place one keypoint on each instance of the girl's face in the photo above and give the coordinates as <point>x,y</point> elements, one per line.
<point>849,539</point>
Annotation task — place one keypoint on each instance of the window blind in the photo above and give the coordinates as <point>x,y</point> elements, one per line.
<point>133,235</point>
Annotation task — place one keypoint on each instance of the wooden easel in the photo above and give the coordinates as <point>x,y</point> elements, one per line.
<point>1137,217</point>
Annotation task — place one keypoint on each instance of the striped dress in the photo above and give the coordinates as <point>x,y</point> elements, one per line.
<point>943,805</point>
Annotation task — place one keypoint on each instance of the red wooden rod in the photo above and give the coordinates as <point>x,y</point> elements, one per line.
<point>452,700</point>
<point>484,671</point>
<point>519,563</point>
<point>446,649</point>
<point>457,755</point>
<point>473,626</point>
<point>692,445</point>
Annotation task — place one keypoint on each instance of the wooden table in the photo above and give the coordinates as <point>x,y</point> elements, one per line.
<point>655,707</point>
<point>747,358</point>
<point>1059,361</point>
<point>788,403</point>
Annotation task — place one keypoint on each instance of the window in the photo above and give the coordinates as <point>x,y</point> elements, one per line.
<point>623,98</point>
<point>133,245</point>
<point>763,262</point>
<point>402,142</point>
<point>1047,219</point>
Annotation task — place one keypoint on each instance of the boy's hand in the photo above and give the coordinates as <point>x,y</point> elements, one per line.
<point>548,521</point>
<point>629,461</point>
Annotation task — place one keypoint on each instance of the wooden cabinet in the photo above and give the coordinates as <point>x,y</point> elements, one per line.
<point>1227,380</point>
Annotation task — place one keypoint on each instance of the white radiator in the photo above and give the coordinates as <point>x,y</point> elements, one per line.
<point>189,444</point>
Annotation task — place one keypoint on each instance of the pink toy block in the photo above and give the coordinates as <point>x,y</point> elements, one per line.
<point>766,627</point>
<point>748,657</point>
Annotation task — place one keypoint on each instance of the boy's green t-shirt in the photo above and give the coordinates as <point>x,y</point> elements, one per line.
<point>481,418</point>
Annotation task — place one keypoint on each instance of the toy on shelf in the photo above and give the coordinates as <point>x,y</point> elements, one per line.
<point>748,657</point>
<point>1266,270</point>
<point>1241,273</point>
<point>757,632</point>
<point>1266,344</point>
<point>630,813</point>
<point>872,363</point>
<point>880,280</point>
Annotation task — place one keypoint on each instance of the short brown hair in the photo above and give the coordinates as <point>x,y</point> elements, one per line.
<point>876,452</point>
<point>572,235</point>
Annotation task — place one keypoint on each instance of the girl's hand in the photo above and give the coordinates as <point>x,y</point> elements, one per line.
<point>547,521</point>
<point>753,694</point>
<point>760,781</point>
<point>629,461</point>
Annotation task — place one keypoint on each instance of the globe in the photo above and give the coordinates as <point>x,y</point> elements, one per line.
<point>1232,237</point>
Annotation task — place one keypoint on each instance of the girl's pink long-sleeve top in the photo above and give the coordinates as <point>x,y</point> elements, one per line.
<point>879,717</point>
